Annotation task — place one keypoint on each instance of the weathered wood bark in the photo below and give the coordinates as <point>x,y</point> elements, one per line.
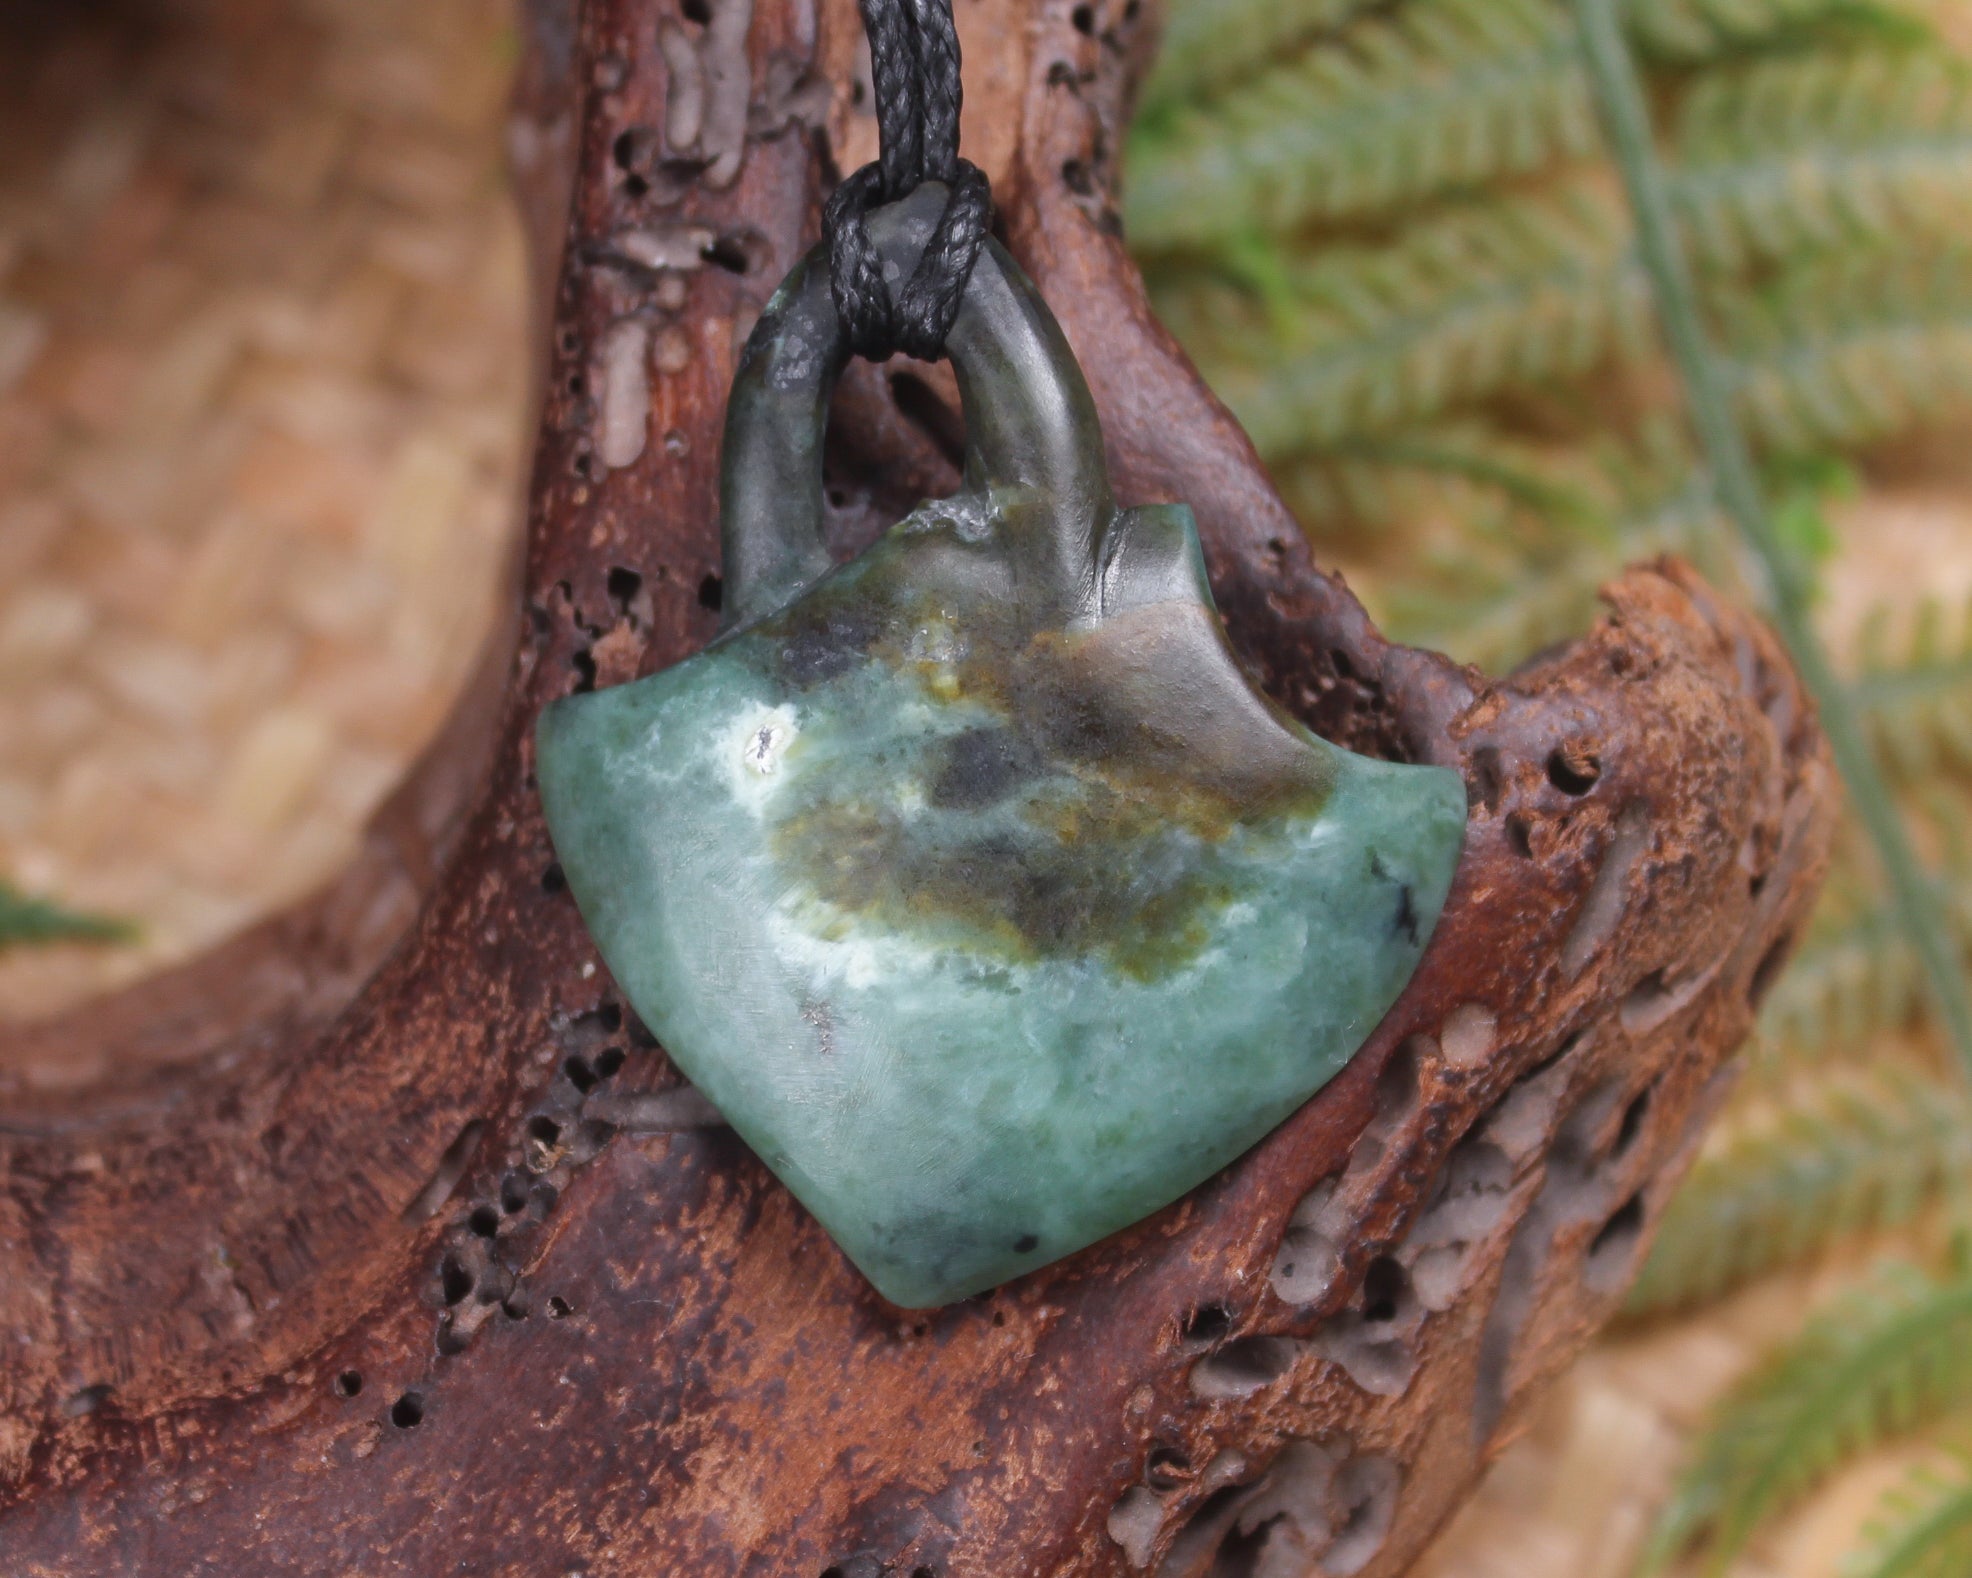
<point>370,1251</point>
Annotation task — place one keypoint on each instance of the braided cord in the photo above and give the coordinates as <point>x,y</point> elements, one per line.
<point>914,69</point>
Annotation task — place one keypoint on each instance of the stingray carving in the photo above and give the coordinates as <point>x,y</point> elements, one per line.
<point>943,870</point>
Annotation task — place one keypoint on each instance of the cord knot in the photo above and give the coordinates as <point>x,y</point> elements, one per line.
<point>914,68</point>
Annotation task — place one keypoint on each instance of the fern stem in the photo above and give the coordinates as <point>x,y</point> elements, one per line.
<point>1619,96</point>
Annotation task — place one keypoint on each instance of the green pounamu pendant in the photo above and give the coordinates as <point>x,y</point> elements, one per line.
<point>971,880</point>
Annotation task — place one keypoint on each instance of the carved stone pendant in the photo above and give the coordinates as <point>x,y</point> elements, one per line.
<point>971,880</point>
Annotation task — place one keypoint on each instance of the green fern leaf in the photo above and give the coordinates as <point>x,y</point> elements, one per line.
<point>1868,1366</point>
<point>1697,30</point>
<point>1796,155</point>
<point>1209,46</point>
<point>1505,293</point>
<point>1491,598</point>
<point>1825,1160</point>
<point>1849,353</point>
<point>1919,698</point>
<point>1510,294</point>
<point>1854,978</point>
<point>1435,94</point>
<point>25,921</point>
<point>1923,1528</point>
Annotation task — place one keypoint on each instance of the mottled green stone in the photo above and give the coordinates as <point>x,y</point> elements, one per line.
<point>992,905</point>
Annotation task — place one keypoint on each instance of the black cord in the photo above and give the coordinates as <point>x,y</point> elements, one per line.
<point>914,61</point>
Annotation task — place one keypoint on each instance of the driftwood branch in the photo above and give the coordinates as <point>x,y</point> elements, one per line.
<point>383,1240</point>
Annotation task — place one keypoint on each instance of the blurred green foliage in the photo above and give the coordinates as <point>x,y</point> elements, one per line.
<point>25,920</point>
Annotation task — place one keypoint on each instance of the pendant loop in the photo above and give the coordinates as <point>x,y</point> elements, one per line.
<point>1032,439</point>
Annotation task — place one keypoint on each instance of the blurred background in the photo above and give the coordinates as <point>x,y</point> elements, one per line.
<point>262,387</point>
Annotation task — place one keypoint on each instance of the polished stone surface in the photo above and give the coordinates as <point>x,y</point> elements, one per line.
<point>972,881</point>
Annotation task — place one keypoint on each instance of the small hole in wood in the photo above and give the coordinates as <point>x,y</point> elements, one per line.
<point>1241,1368</point>
<point>454,1280</point>
<point>408,1412</point>
<point>1397,1085</point>
<point>579,1073</point>
<point>711,593</point>
<point>81,1404</point>
<point>633,147</point>
<point>624,586</point>
<point>1206,1324</point>
<point>729,253</point>
<point>1628,1131</point>
<point>1167,1468</point>
<point>1384,1283</point>
<point>609,1062</point>
<point>348,1383</point>
<point>1083,17</point>
<point>1617,1238</point>
<point>554,880</point>
<point>559,1308</point>
<point>484,1222</point>
<point>1488,778</point>
<point>1573,768</point>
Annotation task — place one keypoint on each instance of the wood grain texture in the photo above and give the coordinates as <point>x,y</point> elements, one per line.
<point>360,1261</point>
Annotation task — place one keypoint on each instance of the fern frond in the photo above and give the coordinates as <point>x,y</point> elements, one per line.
<point>1918,693</point>
<point>1697,30</point>
<point>1867,1366</point>
<point>1826,1159</point>
<point>1513,293</point>
<point>1436,94</point>
<point>1799,154</point>
<point>1923,1528</point>
<point>25,921</point>
<point>1517,292</point>
<point>1209,46</point>
<point>1856,976</point>
<point>1851,353</point>
<point>1494,604</point>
